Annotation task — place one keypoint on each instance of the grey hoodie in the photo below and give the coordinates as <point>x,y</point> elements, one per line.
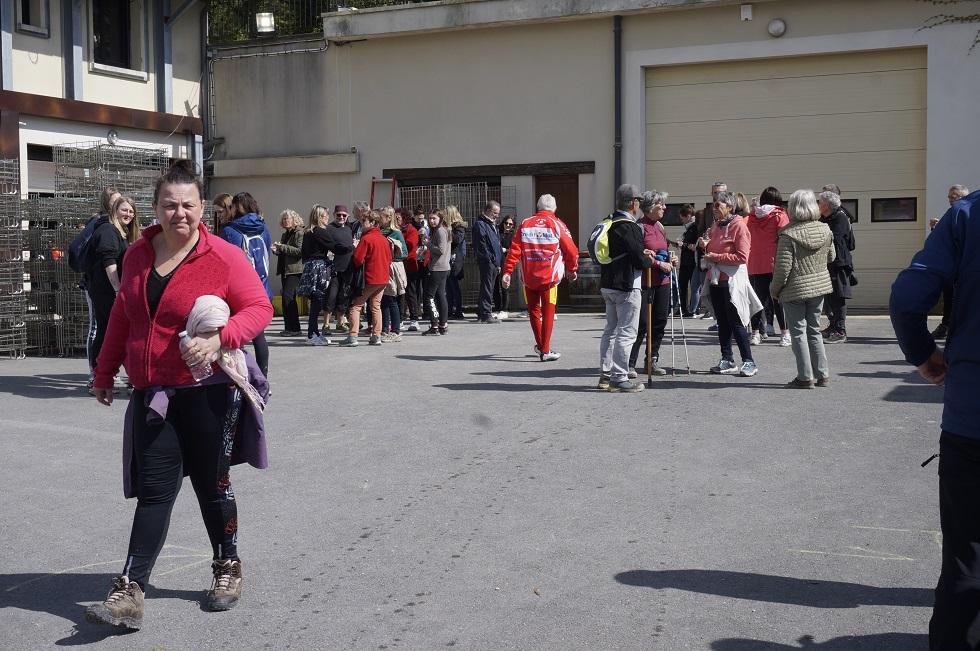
<point>803,251</point>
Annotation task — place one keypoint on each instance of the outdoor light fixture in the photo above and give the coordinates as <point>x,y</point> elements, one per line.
<point>777,27</point>
<point>265,22</point>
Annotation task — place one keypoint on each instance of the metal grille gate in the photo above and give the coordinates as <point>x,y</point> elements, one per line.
<point>469,198</point>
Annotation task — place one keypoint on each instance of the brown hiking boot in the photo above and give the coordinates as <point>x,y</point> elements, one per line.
<point>123,607</point>
<point>227,585</point>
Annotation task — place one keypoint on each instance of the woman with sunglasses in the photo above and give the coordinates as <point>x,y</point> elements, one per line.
<point>501,296</point>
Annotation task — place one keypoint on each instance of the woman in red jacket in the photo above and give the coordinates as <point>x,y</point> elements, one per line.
<point>373,252</point>
<point>765,222</point>
<point>178,424</point>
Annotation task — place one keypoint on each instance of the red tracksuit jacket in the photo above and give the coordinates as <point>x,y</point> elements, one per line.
<point>545,248</point>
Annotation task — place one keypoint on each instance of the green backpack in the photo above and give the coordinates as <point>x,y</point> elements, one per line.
<point>599,240</point>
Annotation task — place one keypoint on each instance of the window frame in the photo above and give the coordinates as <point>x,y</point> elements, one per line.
<point>140,74</point>
<point>40,31</point>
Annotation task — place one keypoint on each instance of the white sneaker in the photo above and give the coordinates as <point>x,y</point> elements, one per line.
<point>413,326</point>
<point>522,314</point>
<point>550,356</point>
<point>755,339</point>
<point>317,340</point>
<point>785,340</point>
<point>502,315</point>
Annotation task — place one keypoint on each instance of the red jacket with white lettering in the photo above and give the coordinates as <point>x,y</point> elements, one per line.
<point>545,248</point>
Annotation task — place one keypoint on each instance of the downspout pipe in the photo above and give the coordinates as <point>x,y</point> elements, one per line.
<point>618,94</point>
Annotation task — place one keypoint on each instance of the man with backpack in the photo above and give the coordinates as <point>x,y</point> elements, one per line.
<point>616,245</point>
<point>544,247</point>
<point>247,231</point>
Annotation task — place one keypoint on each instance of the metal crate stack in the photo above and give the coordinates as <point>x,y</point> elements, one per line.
<point>57,308</point>
<point>13,328</point>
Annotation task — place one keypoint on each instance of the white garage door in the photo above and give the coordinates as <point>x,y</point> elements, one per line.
<point>858,120</point>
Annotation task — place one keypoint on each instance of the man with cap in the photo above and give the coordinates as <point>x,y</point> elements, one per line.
<point>620,285</point>
<point>338,293</point>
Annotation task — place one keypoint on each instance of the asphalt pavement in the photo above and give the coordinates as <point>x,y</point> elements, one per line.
<point>455,492</point>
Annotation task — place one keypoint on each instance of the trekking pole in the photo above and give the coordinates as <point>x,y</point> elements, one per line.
<point>670,306</point>
<point>649,316</point>
<point>687,358</point>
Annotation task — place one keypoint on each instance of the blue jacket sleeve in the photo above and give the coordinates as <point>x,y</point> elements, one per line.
<point>232,235</point>
<point>918,287</point>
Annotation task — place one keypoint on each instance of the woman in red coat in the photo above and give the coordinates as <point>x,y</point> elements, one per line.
<point>373,252</point>
<point>765,222</point>
<point>178,424</point>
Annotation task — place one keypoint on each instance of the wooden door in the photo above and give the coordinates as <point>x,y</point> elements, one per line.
<point>565,190</point>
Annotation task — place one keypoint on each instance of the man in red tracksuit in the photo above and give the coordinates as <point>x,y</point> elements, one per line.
<point>544,247</point>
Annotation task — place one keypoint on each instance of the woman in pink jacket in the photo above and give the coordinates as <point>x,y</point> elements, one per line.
<point>764,224</point>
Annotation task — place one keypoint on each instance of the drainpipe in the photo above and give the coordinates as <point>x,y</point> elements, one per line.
<point>618,94</point>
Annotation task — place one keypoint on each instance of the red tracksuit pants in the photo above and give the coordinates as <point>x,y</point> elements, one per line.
<point>541,304</point>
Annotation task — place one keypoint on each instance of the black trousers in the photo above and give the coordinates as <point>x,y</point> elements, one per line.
<point>684,276</point>
<point>770,307</point>
<point>436,305</point>
<point>501,296</point>
<point>488,276</point>
<point>836,308</point>
<point>290,310</point>
<point>955,622</point>
<point>261,347</point>
<point>195,438</point>
<point>454,294</point>
<point>729,324</point>
<point>414,292</point>
<point>660,298</point>
<point>338,292</point>
<point>101,308</point>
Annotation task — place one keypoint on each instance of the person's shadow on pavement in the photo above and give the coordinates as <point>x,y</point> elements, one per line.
<point>778,589</point>
<point>877,642</point>
<point>59,594</point>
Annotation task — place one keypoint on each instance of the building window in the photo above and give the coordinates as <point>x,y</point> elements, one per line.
<point>851,206</point>
<point>894,210</point>
<point>118,34</point>
<point>32,17</point>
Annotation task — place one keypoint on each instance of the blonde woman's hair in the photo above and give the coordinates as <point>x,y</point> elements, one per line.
<point>451,217</point>
<point>389,218</point>
<point>317,213</point>
<point>131,231</point>
<point>373,215</point>
<point>288,212</point>
<point>742,206</point>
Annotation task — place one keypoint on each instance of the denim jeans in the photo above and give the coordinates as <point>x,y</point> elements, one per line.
<point>622,318</point>
<point>803,321</point>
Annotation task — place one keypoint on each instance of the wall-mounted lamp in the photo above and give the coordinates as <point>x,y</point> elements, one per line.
<point>777,27</point>
<point>265,22</point>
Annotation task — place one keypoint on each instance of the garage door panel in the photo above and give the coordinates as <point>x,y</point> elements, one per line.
<point>898,91</point>
<point>782,136</point>
<point>809,66</point>
<point>889,172</point>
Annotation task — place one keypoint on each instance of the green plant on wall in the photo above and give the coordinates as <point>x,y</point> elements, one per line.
<point>233,21</point>
<point>954,19</point>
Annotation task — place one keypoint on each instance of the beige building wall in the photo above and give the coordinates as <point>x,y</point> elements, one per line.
<point>521,94</point>
<point>37,62</point>
<point>186,48</point>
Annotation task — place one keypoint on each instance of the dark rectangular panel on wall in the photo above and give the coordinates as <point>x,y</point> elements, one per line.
<point>9,134</point>
<point>473,171</point>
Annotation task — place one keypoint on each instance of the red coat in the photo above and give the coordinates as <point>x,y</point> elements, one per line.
<point>149,348</point>
<point>411,235</point>
<point>764,224</point>
<point>544,247</point>
<point>374,253</point>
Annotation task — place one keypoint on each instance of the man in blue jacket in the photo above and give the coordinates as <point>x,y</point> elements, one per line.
<point>486,241</point>
<point>951,255</point>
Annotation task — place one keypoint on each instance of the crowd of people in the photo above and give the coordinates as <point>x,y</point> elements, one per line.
<point>177,302</point>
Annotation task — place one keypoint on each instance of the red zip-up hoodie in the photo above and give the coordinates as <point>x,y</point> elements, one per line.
<point>764,224</point>
<point>544,247</point>
<point>149,347</point>
<point>374,252</point>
